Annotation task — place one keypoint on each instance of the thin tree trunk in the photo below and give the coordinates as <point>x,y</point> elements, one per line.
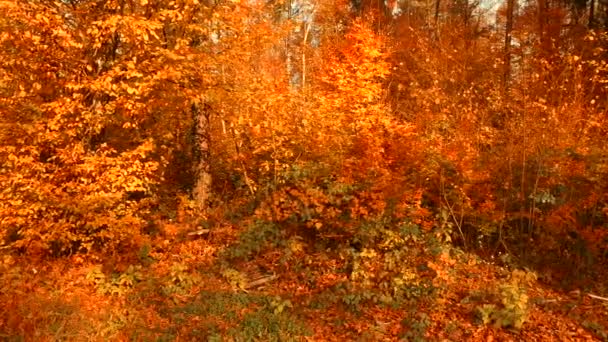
<point>541,21</point>
<point>202,154</point>
<point>543,26</point>
<point>466,21</point>
<point>507,52</point>
<point>437,6</point>
<point>288,58</point>
<point>591,14</point>
<point>307,26</point>
<point>306,30</point>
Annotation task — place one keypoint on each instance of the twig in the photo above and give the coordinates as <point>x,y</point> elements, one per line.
<point>261,281</point>
<point>464,241</point>
<point>597,297</point>
<point>199,232</point>
<point>238,155</point>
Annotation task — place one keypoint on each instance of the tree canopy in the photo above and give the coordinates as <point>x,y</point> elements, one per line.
<point>380,170</point>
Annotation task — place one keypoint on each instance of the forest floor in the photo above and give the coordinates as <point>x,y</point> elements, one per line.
<point>183,287</point>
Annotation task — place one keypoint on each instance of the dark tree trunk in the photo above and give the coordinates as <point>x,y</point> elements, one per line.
<point>437,6</point>
<point>507,52</point>
<point>591,23</point>
<point>543,23</point>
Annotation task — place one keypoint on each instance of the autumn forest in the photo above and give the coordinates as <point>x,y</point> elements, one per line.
<point>303,170</point>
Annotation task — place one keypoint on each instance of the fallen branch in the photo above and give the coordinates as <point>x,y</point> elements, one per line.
<point>199,232</point>
<point>597,297</point>
<point>261,281</point>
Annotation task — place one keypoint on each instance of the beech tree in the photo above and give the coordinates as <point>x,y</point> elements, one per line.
<point>99,99</point>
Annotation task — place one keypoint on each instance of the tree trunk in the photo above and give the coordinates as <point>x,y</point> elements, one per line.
<point>507,52</point>
<point>202,171</point>
<point>543,27</point>
<point>591,14</point>
<point>437,6</point>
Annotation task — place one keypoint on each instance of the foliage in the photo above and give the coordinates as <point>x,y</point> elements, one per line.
<point>235,278</point>
<point>416,327</point>
<point>597,329</point>
<point>257,237</point>
<point>144,255</point>
<point>269,318</point>
<point>180,280</point>
<point>384,267</point>
<point>385,262</point>
<point>356,149</point>
<point>271,323</point>
<point>98,124</point>
<point>117,284</point>
<point>62,171</point>
<point>514,306</point>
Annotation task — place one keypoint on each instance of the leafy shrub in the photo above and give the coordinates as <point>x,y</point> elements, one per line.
<point>273,322</point>
<point>353,300</point>
<point>514,306</point>
<point>260,235</point>
<point>144,255</point>
<point>180,280</point>
<point>236,279</point>
<point>599,330</point>
<point>381,264</point>
<point>117,284</point>
<point>416,326</point>
<point>267,318</point>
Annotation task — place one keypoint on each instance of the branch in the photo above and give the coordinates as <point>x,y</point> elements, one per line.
<point>597,297</point>
<point>199,232</point>
<point>261,281</point>
<point>464,241</point>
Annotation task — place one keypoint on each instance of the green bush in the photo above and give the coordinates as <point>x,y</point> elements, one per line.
<point>259,235</point>
<point>117,284</point>
<point>513,309</point>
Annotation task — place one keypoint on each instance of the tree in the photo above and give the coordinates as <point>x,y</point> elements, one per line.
<point>99,112</point>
